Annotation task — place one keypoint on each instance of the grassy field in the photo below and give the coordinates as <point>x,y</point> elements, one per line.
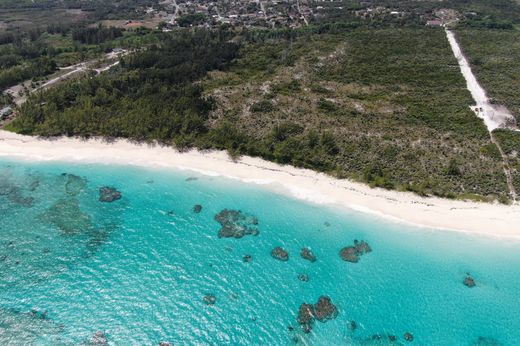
<point>388,107</point>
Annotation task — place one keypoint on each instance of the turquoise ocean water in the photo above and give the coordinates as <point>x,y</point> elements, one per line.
<point>138,269</point>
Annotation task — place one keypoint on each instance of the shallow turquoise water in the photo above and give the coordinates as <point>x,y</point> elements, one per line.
<point>138,268</point>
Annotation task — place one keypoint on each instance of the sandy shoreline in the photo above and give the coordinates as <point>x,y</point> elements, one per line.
<point>479,218</point>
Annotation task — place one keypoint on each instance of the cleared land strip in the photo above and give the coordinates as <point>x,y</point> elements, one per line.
<point>492,115</point>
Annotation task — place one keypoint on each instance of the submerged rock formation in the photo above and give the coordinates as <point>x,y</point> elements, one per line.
<point>280,254</point>
<point>210,299</point>
<point>322,311</point>
<point>247,258</point>
<point>109,194</point>
<point>66,215</point>
<point>408,336</point>
<point>307,254</point>
<point>469,281</point>
<point>197,208</point>
<point>14,193</point>
<point>236,224</point>
<point>352,325</point>
<point>74,185</point>
<point>352,253</point>
<point>485,341</point>
<point>99,339</point>
<point>303,277</point>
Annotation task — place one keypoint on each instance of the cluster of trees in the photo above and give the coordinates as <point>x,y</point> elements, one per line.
<point>96,35</point>
<point>191,19</point>
<point>36,68</point>
<point>151,98</point>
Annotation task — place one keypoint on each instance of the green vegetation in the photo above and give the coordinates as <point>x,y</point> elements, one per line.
<point>388,107</point>
<point>495,59</point>
<point>151,98</point>
<point>510,142</point>
<point>191,19</point>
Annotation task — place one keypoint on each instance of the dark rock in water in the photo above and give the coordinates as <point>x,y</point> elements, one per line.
<point>280,254</point>
<point>352,325</point>
<point>236,224</point>
<point>408,336</point>
<point>210,299</point>
<point>362,247</point>
<point>469,281</point>
<point>99,338</point>
<point>303,277</point>
<point>191,178</point>
<point>109,194</point>
<point>247,258</point>
<point>352,253</point>
<point>290,328</point>
<point>74,184</point>
<point>164,343</point>
<point>306,317</point>
<point>392,337</point>
<point>324,309</point>
<point>197,208</point>
<point>349,254</point>
<point>307,254</point>
<point>484,341</point>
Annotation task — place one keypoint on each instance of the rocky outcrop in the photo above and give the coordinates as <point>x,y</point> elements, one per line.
<point>322,311</point>
<point>307,254</point>
<point>306,317</point>
<point>352,253</point>
<point>247,258</point>
<point>109,194</point>
<point>197,208</point>
<point>280,254</point>
<point>236,224</point>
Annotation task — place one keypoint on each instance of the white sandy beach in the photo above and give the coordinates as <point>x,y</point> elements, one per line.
<point>493,220</point>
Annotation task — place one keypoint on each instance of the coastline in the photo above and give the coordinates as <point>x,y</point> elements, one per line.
<point>492,220</point>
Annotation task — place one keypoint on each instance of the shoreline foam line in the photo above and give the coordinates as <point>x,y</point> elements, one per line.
<point>494,220</point>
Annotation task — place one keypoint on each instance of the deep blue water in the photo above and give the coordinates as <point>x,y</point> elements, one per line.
<point>138,269</point>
